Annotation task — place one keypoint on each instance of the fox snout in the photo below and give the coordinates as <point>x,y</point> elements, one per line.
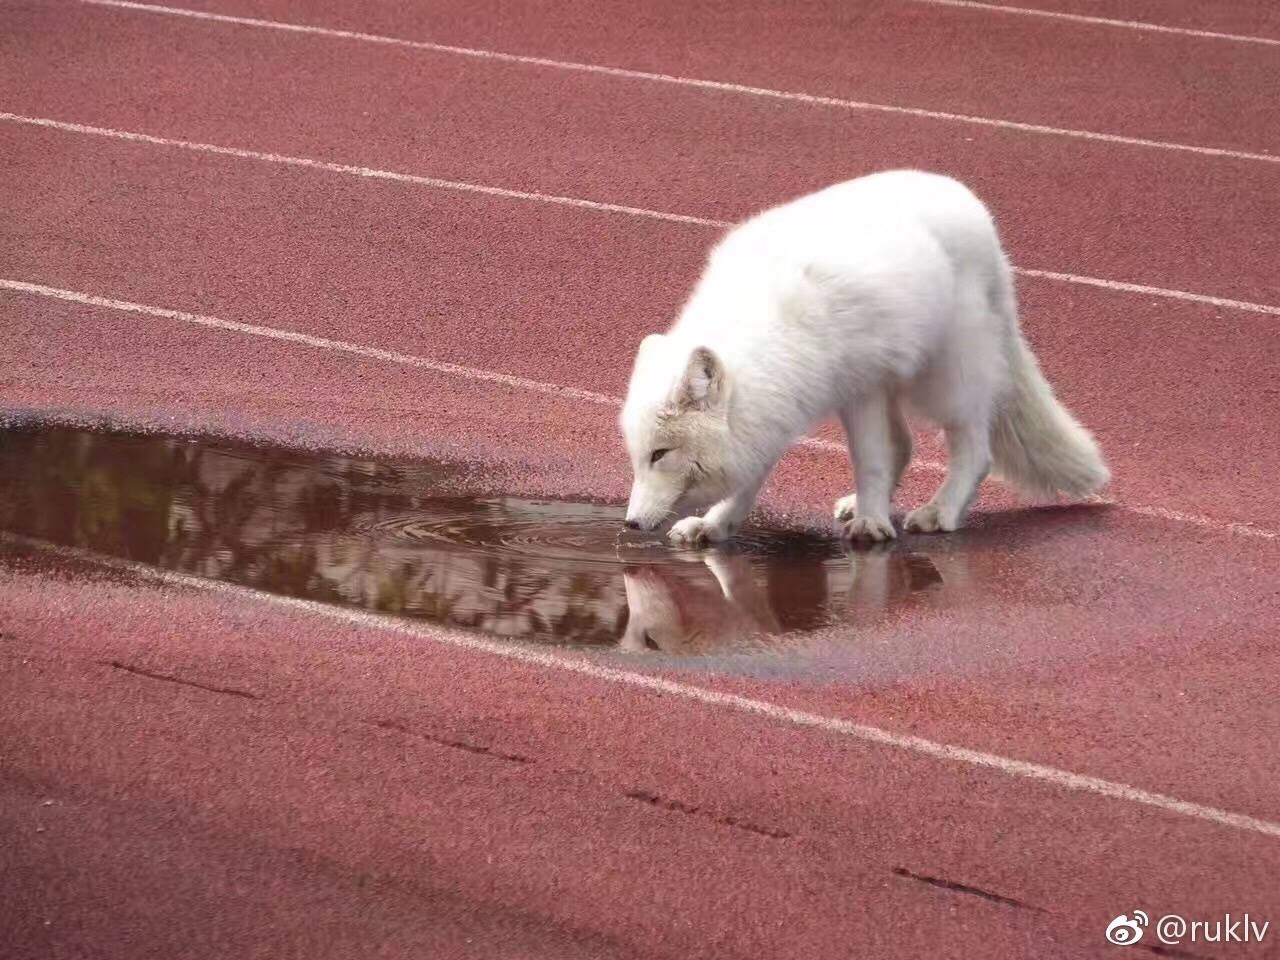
<point>643,510</point>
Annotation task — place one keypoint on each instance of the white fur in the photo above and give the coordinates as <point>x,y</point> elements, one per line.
<point>887,290</point>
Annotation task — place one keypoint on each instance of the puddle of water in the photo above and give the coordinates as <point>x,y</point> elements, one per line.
<point>392,537</point>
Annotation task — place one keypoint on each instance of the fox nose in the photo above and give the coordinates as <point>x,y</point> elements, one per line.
<point>633,524</point>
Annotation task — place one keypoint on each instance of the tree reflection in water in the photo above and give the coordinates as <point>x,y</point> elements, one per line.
<point>389,537</point>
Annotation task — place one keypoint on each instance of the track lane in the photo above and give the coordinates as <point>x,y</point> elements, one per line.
<point>395,267</point>
<point>1105,210</point>
<point>904,54</point>
<point>310,776</point>
<point>1039,611</point>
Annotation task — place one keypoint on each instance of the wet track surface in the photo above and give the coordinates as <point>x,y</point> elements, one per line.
<point>396,538</point>
<point>431,541</point>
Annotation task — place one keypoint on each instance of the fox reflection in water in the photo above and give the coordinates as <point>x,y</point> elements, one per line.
<point>728,610</point>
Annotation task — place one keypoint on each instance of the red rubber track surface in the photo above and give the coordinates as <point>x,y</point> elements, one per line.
<point>501,285</point>
<point>1114,211</point>
<point>516,809</point>
<point>937,58</point>
<point>330,829</point>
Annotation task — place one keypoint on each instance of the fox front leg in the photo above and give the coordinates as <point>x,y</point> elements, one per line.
<point>879,444</point>
<point>719,523</point>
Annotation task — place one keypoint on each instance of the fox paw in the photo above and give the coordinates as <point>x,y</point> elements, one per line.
<point>928,519</point>
<point>847,507</point>
<point>696,532</point>
<point>869,528</point>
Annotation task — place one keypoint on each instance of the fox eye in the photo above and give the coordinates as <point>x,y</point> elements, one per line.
<point>658,455</point>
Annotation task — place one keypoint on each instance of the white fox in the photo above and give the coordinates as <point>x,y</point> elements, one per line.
<point>886,290</point>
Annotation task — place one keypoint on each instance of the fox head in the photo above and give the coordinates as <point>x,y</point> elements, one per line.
<point>676,426</point>
<point>682,612</point>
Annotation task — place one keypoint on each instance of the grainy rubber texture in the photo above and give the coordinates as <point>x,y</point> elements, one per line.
<point>331,812</point>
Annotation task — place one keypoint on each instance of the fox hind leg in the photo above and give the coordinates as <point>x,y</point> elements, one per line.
<point>968,462</point>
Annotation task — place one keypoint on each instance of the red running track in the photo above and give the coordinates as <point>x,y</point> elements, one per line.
<point>1156,217</point>
<point>395,266</point>
<point>906,54</point>
<point>1123,645</point>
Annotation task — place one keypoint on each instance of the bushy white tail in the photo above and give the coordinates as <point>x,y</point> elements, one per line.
<point>1036,444</point>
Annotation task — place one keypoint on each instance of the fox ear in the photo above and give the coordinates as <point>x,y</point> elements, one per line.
<point>702,386</point>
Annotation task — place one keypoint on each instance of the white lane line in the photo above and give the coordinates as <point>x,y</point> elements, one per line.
<point>351,170</point>
<point>532,196</point>
<point>1123,287</point>
<point>716,85</point>
<point>523,383</point>
<point>1241,529</point>
<point>686,691</point>
<point>319,343</point>
<point>1101,21</point>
